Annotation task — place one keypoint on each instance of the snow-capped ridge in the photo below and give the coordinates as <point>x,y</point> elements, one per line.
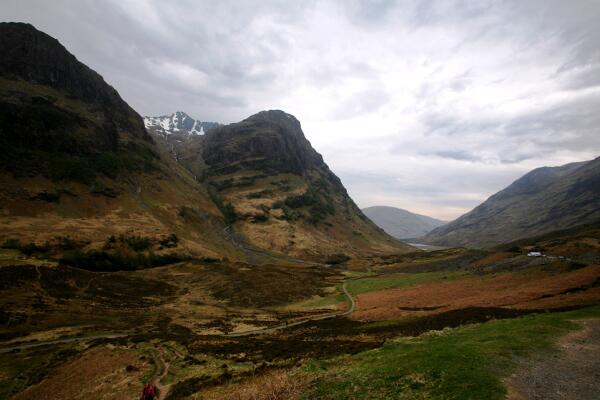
<point>178,122</point>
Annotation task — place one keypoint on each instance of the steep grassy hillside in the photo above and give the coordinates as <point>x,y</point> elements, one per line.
<point>544,200</point>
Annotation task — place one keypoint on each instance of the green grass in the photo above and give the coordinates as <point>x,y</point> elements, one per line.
<point>364,285</point>
<point>462,363</point>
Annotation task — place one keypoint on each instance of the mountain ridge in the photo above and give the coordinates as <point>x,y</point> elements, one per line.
<point>79,163</point>
<point>178,122</point>
<point>278,191</point>
<point>543,200</point>
<point>401,223</point>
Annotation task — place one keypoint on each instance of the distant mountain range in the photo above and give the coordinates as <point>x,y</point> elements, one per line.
<point>543,200</point>
<point>400,223</point>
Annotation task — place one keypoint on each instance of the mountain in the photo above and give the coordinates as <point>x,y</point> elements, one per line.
<point>178,134</point>
<point>401,224</point>
<point>81,175</point>
<point>277,192</point>
<point>541,201</point>
<point>59,118</point>
<point>178,123</point>
<point>78,163</point>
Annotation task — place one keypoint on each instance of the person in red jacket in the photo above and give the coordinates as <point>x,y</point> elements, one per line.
<point>149,392</point>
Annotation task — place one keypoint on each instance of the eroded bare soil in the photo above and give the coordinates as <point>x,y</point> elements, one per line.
<point>571,373</point>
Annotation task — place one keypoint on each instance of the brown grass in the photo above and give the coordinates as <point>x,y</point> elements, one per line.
<point>99,373</point>
<point>515,290</point>
<point>273,385</point>
<point>492,258</point>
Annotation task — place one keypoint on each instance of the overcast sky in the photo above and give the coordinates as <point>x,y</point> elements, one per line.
<point>430,106</point>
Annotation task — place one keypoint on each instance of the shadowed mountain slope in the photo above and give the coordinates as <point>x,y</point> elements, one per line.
<point>543,200</point>
<point>78,162</point>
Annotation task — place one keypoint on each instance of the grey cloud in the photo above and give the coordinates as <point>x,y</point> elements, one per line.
<point>460,155</point>
<point>224,60</point>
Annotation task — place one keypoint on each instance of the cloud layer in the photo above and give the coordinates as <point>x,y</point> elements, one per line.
<point>430,106</point>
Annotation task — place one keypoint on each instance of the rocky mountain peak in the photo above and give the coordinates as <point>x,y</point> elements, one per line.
<point>178,122</point>
<point>269,140</point>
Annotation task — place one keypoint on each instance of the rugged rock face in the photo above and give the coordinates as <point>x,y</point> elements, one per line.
<point>544,200</point>
<point>270,141</point>
<point>35,57</point>
<point>181,137</point>
<point>401,224</point>
<point>277,191</point>
<point>58,117</point>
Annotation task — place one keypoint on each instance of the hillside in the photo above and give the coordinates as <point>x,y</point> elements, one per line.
<point>543,200</point>
<point>400,223</point>
<point>78,165</point>
<point>278,193</point>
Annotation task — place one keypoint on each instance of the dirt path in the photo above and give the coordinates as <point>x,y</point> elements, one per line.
<point>163,390</point>
<point>572,373</point>
<point>351,308</point>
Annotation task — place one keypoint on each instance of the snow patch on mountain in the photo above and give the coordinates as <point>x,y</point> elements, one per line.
<point>178,122</point>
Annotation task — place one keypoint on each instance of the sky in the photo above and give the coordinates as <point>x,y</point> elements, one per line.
<point>431,106</point>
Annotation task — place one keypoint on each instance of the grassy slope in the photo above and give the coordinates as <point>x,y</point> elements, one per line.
<point>463,363</point>
<point>359,283</point>
<point>364,285</point>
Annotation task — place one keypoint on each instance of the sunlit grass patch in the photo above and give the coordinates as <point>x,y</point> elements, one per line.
<point>462,363</point>
<point>367,284</point>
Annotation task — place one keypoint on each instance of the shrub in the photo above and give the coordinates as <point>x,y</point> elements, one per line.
<point>337,259</point>
<point>27,249</point>
<point>260,218</point>
<point>169,241</point>
<point>110,261</point>
<point>13,244</point>
<point>227,210</point>
<point>136,243</point>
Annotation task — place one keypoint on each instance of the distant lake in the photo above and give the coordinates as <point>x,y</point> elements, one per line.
<point>426,247</point>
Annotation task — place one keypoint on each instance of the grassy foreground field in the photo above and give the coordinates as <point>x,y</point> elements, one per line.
<point>469,362</point>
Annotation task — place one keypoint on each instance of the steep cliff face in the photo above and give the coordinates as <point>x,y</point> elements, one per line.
<point>277,191</point>
<point>59,118</point>
<point>77,161</point>
<point>543,200</point>
<point>270,141</point>
<point>33,56</point>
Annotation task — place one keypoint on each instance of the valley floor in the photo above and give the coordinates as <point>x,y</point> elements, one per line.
<point>448,324</point>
